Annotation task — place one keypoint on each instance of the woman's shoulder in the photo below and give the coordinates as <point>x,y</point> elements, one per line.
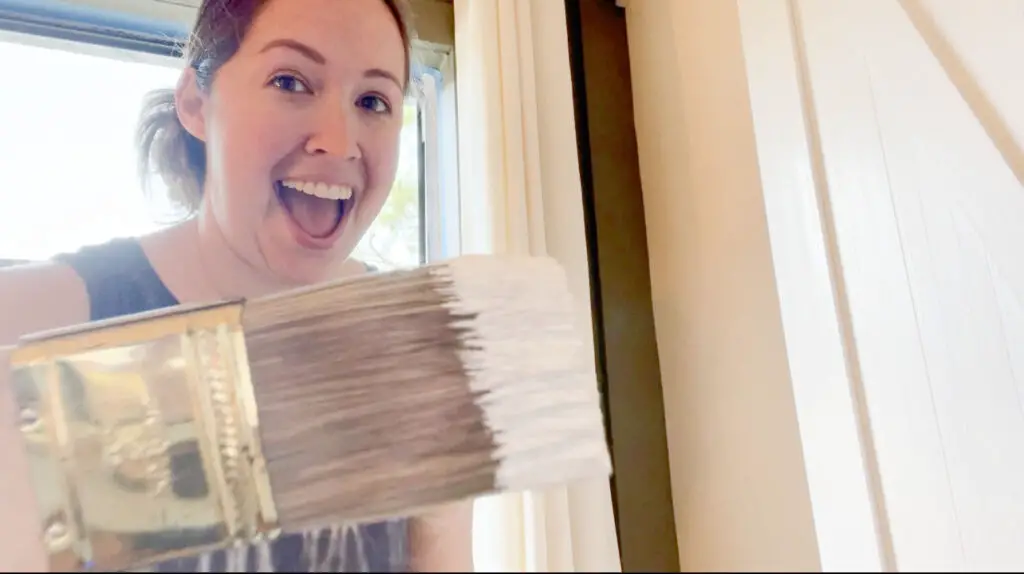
<point>40,296</point>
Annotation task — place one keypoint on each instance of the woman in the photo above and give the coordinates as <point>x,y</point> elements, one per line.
<point>282,139</point>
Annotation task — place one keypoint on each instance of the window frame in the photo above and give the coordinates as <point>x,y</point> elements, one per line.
<point>89,25</point>
<point>440,206</point>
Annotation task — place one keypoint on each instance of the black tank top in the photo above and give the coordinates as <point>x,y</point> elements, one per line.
<point>120,281</point>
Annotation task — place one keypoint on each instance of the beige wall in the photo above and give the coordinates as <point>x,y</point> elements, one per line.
<point>739,486</point>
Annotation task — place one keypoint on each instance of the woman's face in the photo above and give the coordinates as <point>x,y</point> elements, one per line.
<point>302,133</point>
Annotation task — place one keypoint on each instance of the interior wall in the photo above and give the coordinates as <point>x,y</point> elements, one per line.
<point>624,321</point>
<point>739,485</point>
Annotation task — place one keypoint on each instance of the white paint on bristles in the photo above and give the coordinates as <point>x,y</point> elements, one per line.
<point>525,356</point>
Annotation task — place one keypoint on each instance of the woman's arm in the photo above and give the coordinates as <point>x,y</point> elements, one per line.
<point>21,549</point>
<point>442,541</point>
<point>32,298</point>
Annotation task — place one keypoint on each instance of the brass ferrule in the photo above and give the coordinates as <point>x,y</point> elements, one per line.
<point>143,438</point>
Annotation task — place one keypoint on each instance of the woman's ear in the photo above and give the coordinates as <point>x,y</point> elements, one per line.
<point>190,104</point>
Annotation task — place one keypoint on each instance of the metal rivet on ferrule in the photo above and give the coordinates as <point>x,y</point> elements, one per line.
<point>161,487</point>
<point>29,415</point>
<point>58,536</point>
<point>28,419</point>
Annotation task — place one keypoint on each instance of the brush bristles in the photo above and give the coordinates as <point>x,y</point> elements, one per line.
<point>394,392</point>
<point>525,360</point>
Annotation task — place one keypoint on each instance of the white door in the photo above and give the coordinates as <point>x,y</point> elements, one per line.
<point>915,110</point>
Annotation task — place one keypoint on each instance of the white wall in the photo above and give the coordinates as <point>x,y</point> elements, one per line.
<point>834,195</point>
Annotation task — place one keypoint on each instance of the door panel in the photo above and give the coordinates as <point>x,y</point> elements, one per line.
<point>919,110</point>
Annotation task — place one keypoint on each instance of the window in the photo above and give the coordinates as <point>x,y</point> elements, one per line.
<point>66,149</point>
<point>395,238</point>
<point>68,113</point>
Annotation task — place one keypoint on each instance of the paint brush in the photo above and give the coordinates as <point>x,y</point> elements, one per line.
<point>373,397</point>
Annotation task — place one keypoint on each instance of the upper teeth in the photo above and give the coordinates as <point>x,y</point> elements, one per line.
<point>319,189</point>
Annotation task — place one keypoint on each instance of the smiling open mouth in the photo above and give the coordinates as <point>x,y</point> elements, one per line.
<point>316,209</point>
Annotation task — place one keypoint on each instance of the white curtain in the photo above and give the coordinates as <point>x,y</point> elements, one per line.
<point>520,192</point>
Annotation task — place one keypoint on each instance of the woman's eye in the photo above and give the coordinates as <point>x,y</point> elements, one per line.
<point>289,83</point>
<point>374,103</point>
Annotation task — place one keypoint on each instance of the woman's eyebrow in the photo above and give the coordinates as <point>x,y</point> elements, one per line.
<point>297,46</point>
<point>381,73</point>
<point>319,58</point>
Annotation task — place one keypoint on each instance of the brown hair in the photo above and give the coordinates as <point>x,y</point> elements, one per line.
<point>164,146</point>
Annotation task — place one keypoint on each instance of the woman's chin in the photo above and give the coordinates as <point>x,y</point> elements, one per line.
<point>295,265</point>
<point>293,276</point>
<point>291,270</point>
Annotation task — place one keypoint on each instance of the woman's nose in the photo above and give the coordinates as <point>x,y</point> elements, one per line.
<point>334,134</point>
